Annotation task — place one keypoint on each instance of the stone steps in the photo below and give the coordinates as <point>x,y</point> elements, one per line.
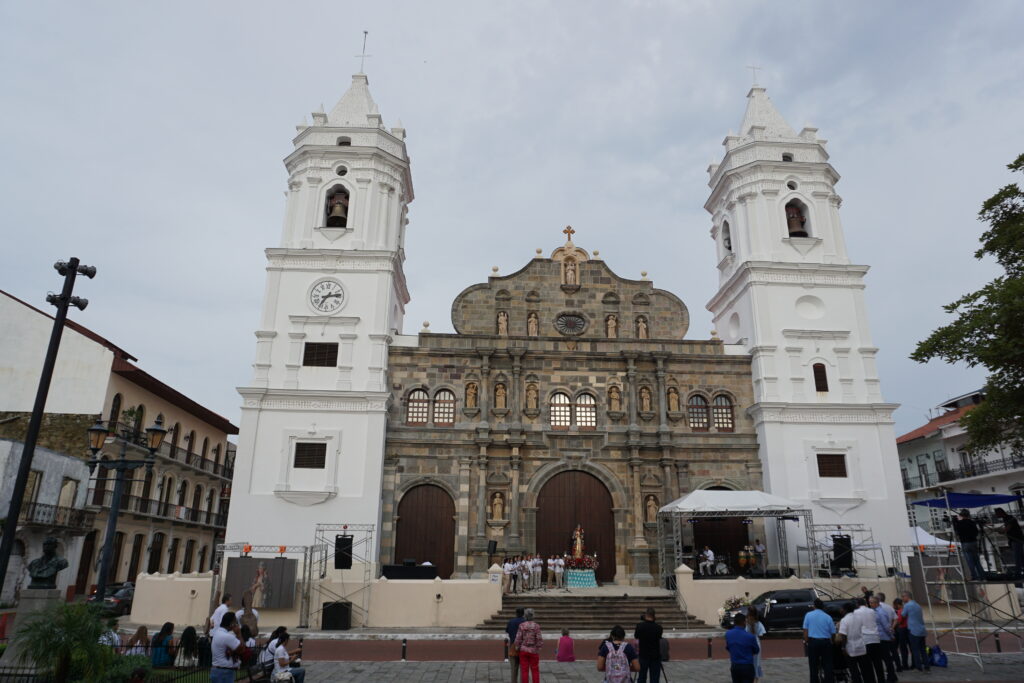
<point>592,613</point>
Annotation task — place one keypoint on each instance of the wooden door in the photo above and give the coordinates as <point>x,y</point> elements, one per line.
<point>156,549</point>
<point>572,498</point>
<point>425,530</point>
<point>85,563</point>
<point>133,564</point>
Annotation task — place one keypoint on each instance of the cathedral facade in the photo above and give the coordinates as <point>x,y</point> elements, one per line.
<point>567,395</point>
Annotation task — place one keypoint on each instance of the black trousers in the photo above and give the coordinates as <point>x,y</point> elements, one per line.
<point>742,673</point>
<point>876,655</point>
<point>819,656</point>
<point>861,670</point>
<point>890,656</point>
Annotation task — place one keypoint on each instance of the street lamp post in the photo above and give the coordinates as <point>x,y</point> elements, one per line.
<point>97,438</point>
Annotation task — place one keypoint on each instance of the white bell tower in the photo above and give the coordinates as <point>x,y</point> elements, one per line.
<point>311,443</point>
<point>790,296</point>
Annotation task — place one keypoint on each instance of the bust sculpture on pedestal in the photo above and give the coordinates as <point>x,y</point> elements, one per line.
<point>43,570</point>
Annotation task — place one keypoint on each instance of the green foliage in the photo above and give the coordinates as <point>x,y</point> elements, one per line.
<point>121,669</point>
<point>989,329</point>
<point>65,639</point>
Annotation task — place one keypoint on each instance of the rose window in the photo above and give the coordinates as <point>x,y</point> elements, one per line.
<point>570,324</point>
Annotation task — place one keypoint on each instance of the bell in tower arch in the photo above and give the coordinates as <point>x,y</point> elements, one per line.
<point>796,221</point>
<point>337,209</point>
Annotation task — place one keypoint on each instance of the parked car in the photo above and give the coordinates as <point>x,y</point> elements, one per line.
<point>118,600</point>
<point>785,609</point>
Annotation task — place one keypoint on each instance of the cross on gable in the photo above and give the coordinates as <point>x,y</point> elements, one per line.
<point>754,70</point>
<point>569,232</point>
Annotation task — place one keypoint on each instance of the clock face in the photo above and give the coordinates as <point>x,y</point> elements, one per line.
<point>327,296</point>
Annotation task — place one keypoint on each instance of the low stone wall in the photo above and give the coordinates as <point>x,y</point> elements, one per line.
<point>183,599</point>
<point>436,603</point>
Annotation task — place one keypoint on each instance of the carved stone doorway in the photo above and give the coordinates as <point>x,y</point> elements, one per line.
<point>571,498</point>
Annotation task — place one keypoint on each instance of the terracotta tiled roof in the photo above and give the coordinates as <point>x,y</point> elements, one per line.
<point>934,424</point>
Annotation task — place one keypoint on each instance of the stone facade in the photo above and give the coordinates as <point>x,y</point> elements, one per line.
<point>507,377</point>
<point>64,433</point>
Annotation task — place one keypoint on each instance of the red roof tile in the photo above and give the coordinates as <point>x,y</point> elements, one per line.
<point>934,424</point>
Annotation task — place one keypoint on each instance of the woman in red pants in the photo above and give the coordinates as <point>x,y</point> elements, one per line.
<point>528,642</point>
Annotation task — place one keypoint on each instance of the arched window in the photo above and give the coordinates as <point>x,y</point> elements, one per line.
<point>796,219</point>
<point>115,413</point>
<point>197,504</point>
<point>206,446</point>
<point>417,408</point>
<point>561,411</point>
<point>697,406</point>
<point>786,156</point>
<point>156,549</point>
<point>175,437</point>
<point>182,494</point>
<point>444,407</point>
<point>202,559</point>
<point>726,237</point>
<point>820,377</point>
<point>140,420</point>
<point>586,411</point>
<point>336,209</point>
<point>722,412</point>
<point>147,487</point>
<point>191,445</point>
<point>186,563</point>
<point>172,555</point>
<point>344,141</point>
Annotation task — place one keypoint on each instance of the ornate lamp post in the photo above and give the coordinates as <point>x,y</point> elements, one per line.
<point>97,438</point>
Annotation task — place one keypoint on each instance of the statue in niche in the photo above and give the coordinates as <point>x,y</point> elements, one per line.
<point>498,506</point>
<point>645,399</point>
<point>652,509</point>
<point>43,570</point>
<point>641,328</point>
<point>503,323</point>
<point>471,393</point>
<point>532,325</point>
<point>500,396</point>
<point>614,399</point>
<point>611,324</point>
<point>531,397</point>
<point>673,400</point>
<point>570,273</point>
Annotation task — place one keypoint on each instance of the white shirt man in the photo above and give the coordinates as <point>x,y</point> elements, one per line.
<point>850,627</point>
<point>535,570</point>
<point>560,572</point>
<point>223,644</point>
<point>868,624</point>
<point>506,569</point>
<point>708,565</point>
<point>219,613</point>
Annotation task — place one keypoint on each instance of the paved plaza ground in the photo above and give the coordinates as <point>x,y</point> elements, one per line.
<point>1008,667</point>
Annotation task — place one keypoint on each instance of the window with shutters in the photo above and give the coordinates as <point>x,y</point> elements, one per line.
<point>417,408</point>
<point>561,411</point>
<point>586,411</point>
<point>723,415</point>
<point>820,377</point>
<point>444,408</point>
<point>700,418</point>
<point>310,456</point>
<point>832,465</point>
<point>318,354</point>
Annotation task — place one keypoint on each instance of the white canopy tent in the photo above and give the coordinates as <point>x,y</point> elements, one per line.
<point>919,537</point>
<point>707,504</point>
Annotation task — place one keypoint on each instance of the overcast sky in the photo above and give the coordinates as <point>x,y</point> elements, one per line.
<point>146,138</point>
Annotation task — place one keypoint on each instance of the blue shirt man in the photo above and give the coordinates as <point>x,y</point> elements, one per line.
<point>915,624</point>
<point>742,646</point>
<point>818,624</point>
<point>818,631</point>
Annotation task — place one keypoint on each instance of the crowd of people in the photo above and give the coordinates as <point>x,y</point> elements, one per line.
<point>873,642</point>
<point>616,658</point>
<point>523,573</point>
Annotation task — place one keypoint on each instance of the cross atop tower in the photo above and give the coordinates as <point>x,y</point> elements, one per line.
<point>363,55</point>
<point>754,70</point>
<point>569,232</point>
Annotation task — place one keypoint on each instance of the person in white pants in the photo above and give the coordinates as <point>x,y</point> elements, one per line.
<point>560,572</point>
<point>535,569</point>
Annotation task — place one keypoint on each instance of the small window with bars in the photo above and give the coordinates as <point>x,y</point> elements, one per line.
<point>586,411</point>
<point>444,408</point>
<point>417,408</point>
<point>561,411</point>
<point>317,354</point>
<point>722,413</point>
<point>832,465</point>
<point>700,418</point>
<point>820,377</point>
<point>310,456</point>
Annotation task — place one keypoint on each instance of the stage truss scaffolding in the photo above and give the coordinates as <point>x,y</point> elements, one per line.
<point>671,544</point>
<point>971,612</point>
<point>859,557</point>
<point>308,553</point>
<point>355,585</point>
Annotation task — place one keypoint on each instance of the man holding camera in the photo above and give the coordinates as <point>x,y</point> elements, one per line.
<point>967,531</point>
<point>1011,529</point>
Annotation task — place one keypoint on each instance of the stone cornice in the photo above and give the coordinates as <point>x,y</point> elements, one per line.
<point>332,260</point>
<point>306,399</point>
<point>822,413</point>
<point>770,273</point>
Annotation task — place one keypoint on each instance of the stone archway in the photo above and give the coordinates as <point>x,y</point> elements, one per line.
<point>425,528</point>
<point>570,498</point>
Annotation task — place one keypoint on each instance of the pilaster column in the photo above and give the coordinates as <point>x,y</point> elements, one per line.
<point>387,514</point>
<point>462,524</point>
<point>662,397</point>
<point>485,385</point>
<point>513,498</point>
<point>631,389</point>
<point>635,464</point>
<point>515,392</point>
<point>667,475</point>
<point>481,493</point>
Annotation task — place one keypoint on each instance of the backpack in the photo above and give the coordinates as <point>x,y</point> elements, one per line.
<point>616,664</point>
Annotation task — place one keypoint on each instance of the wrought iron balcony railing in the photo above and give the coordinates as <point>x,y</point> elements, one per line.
<point>982,467</point>
<point>137,436</point>
<point>56,516</point>
<point>159,509</point>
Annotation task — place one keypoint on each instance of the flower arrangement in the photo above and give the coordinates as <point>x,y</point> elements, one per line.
<point>733,603</point>
<point>585,562</point>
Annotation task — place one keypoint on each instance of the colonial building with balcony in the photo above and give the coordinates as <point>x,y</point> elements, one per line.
<point>54,505</point>
<point>933,459</point>
<point>172,517</point>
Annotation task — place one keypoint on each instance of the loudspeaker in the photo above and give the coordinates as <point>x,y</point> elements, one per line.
<point>337,616</point>
<point>343,552</point>
<point>842,552</point>
<point>409,562</point>
<point>492,547</point>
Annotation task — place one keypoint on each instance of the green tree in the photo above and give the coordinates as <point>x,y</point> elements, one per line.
<point>65,639</point>
<point>989,328</point>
